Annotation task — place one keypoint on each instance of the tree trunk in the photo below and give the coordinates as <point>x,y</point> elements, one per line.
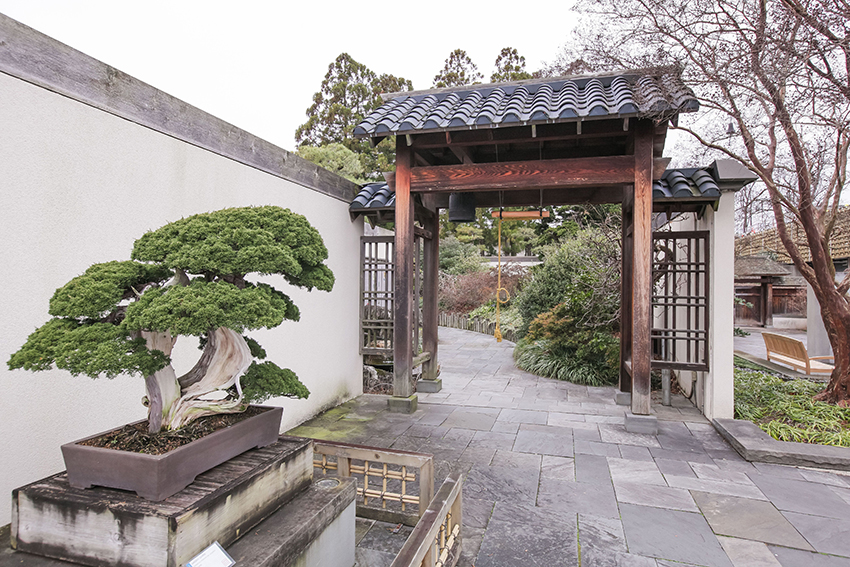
<point>161,386</point>
<point>215,373</point>
<point>835,313</point>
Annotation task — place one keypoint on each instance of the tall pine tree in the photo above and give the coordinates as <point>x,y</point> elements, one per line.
<point>348,93</point>
<point>458,70</point>
<point>510,66</point>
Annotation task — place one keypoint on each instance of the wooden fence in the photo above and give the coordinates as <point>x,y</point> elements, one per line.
<point>388,486</point>
<point>436,539</point>
<point>477,324</point>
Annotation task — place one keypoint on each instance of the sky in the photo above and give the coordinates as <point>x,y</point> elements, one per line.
<point>257,63</point>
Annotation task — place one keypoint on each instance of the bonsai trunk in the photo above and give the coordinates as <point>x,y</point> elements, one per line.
<point>206,387</point>
<point>161,386</point>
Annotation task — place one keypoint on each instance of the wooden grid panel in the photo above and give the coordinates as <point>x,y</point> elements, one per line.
<point>680,300</point>
<point>376,482</point>
<point>436,539</point>
<point>394,486</point>
<point>377,293</point>
<point>446,541</point>
<point>377,285</point>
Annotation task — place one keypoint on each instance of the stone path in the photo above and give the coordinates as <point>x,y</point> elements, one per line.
<point>552,478</point>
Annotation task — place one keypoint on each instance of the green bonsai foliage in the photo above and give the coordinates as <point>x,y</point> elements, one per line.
<point>187,278</point>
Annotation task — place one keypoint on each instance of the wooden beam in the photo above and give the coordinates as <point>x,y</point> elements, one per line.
<point>535,174</point>
<point>522,134</point>
<point>462,154</point>
<point>580,172</point>
<point>403,292</point>
<point>641,355</point>
<point>422,233</point>
<point>520,215</point>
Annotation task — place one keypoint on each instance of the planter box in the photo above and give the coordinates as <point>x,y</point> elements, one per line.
<point>156,477</point>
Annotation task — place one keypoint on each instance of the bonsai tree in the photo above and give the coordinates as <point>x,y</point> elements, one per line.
<point>187,278</point>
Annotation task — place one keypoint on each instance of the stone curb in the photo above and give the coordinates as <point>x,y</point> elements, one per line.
<point>755,445</point>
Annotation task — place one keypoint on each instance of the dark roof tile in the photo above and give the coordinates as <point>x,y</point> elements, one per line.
<point>531,102</point>
<point>690,184</point>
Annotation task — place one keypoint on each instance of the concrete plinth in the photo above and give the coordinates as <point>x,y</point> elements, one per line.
<point>403,405</point>
<point>623,398</point>
<point>315,529</point>
<point>644,424</point>
<point>429,386</point>
<point>105,526</point>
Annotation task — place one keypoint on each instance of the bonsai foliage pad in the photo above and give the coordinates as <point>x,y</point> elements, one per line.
<point>104,526</point>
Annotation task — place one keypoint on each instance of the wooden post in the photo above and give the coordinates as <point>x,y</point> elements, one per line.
<point>626,292</point>
<point>430,283</point>
<point>642,269</point>
<point>767,301</point>
<point>403,296</point>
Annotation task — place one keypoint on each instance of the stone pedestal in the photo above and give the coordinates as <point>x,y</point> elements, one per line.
<point>398,404</point>
<point>643,424</point>
<point>103,526</point>
<point>429,386</point>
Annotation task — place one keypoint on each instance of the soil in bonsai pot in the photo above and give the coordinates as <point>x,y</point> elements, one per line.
<point>135,438</point>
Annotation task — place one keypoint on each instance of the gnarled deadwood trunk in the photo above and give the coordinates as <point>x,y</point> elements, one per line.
<point>205,388</point>
<point>162,387</point>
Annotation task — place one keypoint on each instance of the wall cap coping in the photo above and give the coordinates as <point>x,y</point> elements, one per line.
<point>36,58</point>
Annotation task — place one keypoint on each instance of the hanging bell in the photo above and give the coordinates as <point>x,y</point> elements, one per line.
<point>462,207</point>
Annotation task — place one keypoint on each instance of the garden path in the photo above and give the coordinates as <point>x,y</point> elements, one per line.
<point>551,474</point>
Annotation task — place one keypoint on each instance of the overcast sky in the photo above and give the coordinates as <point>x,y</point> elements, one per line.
<point>256,64</point>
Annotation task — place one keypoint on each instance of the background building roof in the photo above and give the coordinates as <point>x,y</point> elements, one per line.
<point>767,241</point>
<point>757,266</point>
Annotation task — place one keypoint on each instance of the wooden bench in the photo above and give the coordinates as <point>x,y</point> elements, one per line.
<point>792,352</point>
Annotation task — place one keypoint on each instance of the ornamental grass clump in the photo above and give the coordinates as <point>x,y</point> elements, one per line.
<point>787,410</point>
<point>187,278</point>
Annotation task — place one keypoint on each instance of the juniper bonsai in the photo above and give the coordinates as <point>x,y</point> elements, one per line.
<point>187,278</point>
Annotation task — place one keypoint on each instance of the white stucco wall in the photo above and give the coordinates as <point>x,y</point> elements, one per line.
<point>77,186</point>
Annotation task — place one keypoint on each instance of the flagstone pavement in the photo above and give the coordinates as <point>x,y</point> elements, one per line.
<point>551,477</point>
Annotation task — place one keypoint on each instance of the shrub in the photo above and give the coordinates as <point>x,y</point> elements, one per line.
<point>787,411</point>
<point>558,346</point>
<point>458,257</point>
<point>462,293</point>
<point>584,274</point>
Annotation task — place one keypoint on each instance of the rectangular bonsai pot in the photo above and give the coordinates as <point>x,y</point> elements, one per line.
<point>156,477</point>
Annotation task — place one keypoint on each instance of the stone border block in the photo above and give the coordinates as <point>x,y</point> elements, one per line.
<point>623,398</point>
<point>755,445</point>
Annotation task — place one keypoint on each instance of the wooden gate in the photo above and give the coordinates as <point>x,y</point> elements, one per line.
<point>377,285</point>
<point>680,300</point>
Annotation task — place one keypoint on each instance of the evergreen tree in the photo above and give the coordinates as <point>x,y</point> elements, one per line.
<point>458,70</point>
<point>510,66</point>
<point>349,92</point>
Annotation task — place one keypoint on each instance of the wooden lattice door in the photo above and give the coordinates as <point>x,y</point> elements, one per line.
<point>680,300</point>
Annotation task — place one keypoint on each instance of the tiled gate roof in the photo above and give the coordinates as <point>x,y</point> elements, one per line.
<point>529,102</point>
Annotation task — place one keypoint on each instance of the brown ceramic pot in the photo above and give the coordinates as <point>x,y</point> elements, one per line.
<point>156,477</point>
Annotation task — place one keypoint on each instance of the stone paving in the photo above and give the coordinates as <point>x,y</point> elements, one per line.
<point>552,477</point>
